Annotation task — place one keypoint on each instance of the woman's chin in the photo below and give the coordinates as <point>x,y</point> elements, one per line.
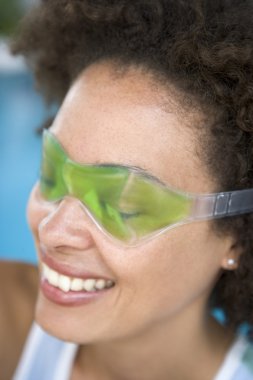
<point>66,323</point>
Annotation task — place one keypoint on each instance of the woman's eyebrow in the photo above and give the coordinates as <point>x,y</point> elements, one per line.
<point>138,168</point>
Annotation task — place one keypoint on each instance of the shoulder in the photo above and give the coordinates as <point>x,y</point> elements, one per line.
<point>18,270</point>
<point>18,293</point>
<point>18,285</point>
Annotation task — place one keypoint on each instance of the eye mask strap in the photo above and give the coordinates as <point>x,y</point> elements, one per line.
<point>222,204</point>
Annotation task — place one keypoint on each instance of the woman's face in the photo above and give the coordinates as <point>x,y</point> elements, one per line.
<point>124,121</point>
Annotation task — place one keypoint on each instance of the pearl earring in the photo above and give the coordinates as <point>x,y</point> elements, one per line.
<point>231,261</point>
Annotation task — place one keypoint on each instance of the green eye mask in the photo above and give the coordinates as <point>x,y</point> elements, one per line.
<point>125,203</point>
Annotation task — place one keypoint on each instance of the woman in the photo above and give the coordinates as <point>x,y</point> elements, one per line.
<point>143,212</point>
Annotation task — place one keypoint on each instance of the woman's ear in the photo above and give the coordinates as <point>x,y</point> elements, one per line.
<point>231,257</point>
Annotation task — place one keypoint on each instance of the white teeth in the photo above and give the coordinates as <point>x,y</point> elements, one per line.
<point>76,284</point>
<point>66,283</point>
<point>46,270</point>
<point>53,277</point>
<point>100,284</point>
<point>89,285</point>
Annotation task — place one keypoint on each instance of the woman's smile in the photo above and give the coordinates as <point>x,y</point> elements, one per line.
<point>66,285</point>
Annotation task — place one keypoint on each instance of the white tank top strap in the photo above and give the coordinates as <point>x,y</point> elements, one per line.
<point>45,357</point>
<point>233,361</point>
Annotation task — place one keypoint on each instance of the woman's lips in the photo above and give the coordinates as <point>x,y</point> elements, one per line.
<point>70,298</point>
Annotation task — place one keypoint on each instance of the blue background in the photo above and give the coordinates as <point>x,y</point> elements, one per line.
<point>22,111</point>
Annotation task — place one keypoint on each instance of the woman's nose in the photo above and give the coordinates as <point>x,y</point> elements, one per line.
<point>67,224</point>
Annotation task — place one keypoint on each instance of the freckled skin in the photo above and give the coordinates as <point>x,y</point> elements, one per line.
<point>162,287</point>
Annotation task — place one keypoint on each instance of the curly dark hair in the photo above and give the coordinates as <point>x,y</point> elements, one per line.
<point>203,47</point>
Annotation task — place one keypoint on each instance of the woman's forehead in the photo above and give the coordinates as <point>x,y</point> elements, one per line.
<point>103,120</point>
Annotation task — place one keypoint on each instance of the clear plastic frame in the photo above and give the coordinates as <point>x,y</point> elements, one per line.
<point>125,203</point>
